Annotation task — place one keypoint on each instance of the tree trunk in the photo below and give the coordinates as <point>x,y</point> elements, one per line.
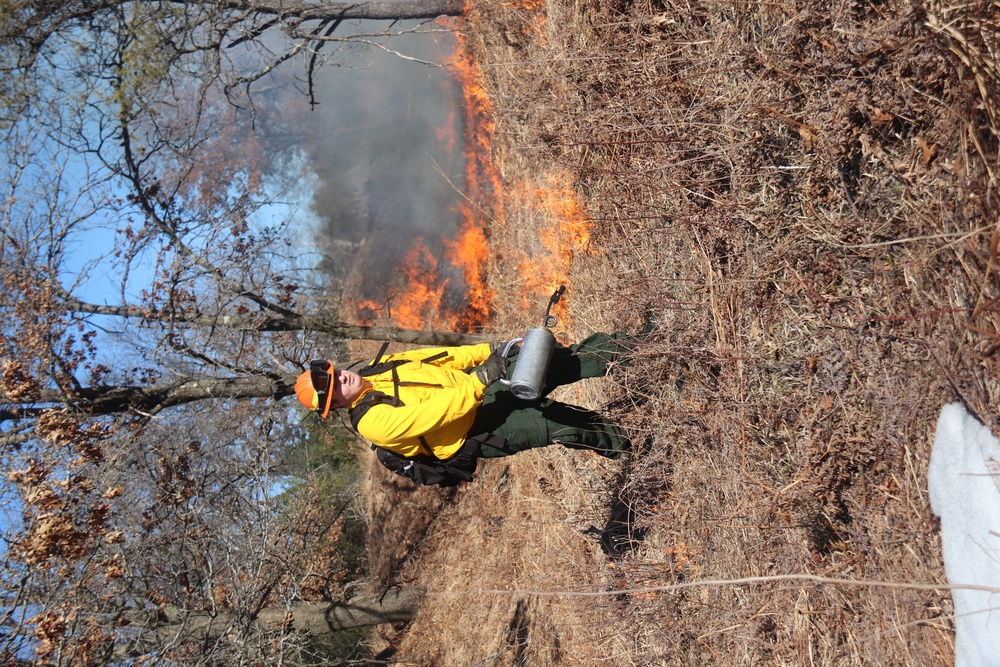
<point>313,618</point>
<point>412,9</point>
<point>150,400</point>
<point>291,322</point>
<point>108,400</point>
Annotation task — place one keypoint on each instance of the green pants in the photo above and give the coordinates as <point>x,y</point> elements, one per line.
<point>529,424</point>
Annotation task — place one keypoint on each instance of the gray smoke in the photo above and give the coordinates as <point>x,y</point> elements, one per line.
<point>384,177</point>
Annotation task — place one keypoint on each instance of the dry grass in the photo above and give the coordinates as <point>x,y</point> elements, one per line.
<point>798,204</point>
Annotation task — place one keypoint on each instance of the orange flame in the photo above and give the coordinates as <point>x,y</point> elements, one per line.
<point>428,298</point>
<point>470,250</point>
<point>563,230</point>
<point>368,312</point>
<point>422,302</point>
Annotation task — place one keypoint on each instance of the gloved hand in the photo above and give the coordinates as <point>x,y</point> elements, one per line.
<point>491,370</point>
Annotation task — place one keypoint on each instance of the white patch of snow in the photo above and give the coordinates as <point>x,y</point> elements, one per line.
<point>964,484</point>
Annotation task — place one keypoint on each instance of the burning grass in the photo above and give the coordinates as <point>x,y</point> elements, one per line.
<point>796,204</point>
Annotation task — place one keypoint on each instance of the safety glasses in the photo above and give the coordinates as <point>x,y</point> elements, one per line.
<point>322,381</point>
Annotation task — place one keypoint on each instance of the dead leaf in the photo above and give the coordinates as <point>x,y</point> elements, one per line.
<point>928,151</point>
<point>663,20</point>
<point>880,118</point>
<point>808,137</point>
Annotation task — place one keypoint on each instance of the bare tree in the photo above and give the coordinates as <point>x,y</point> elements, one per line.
<point>212,31</point>
<point>138,471</point>
<point>140,438</point>
<point>168,541</point>
<point>311,618</point>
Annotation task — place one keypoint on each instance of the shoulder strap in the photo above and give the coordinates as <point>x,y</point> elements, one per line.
<point>381,351</point>
<point>374,368</point>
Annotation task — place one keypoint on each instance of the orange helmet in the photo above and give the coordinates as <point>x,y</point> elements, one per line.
<point>314,388</point>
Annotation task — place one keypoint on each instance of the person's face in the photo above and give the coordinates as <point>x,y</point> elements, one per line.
<point>347,386</point>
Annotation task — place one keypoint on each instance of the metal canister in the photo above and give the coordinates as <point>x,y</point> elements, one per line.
<point>528,379</point>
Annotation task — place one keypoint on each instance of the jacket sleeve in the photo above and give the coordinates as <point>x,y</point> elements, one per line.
<point>457,358</point>
<point>388,424</point>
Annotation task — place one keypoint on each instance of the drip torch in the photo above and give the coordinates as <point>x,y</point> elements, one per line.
<point>528,379</point>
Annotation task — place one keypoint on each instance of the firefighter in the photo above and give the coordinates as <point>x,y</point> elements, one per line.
<point>446,404</point>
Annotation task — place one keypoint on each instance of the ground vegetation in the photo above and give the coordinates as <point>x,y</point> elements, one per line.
<point>795,205</point>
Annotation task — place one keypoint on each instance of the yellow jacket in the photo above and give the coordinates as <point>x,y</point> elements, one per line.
<point>439,401</point>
